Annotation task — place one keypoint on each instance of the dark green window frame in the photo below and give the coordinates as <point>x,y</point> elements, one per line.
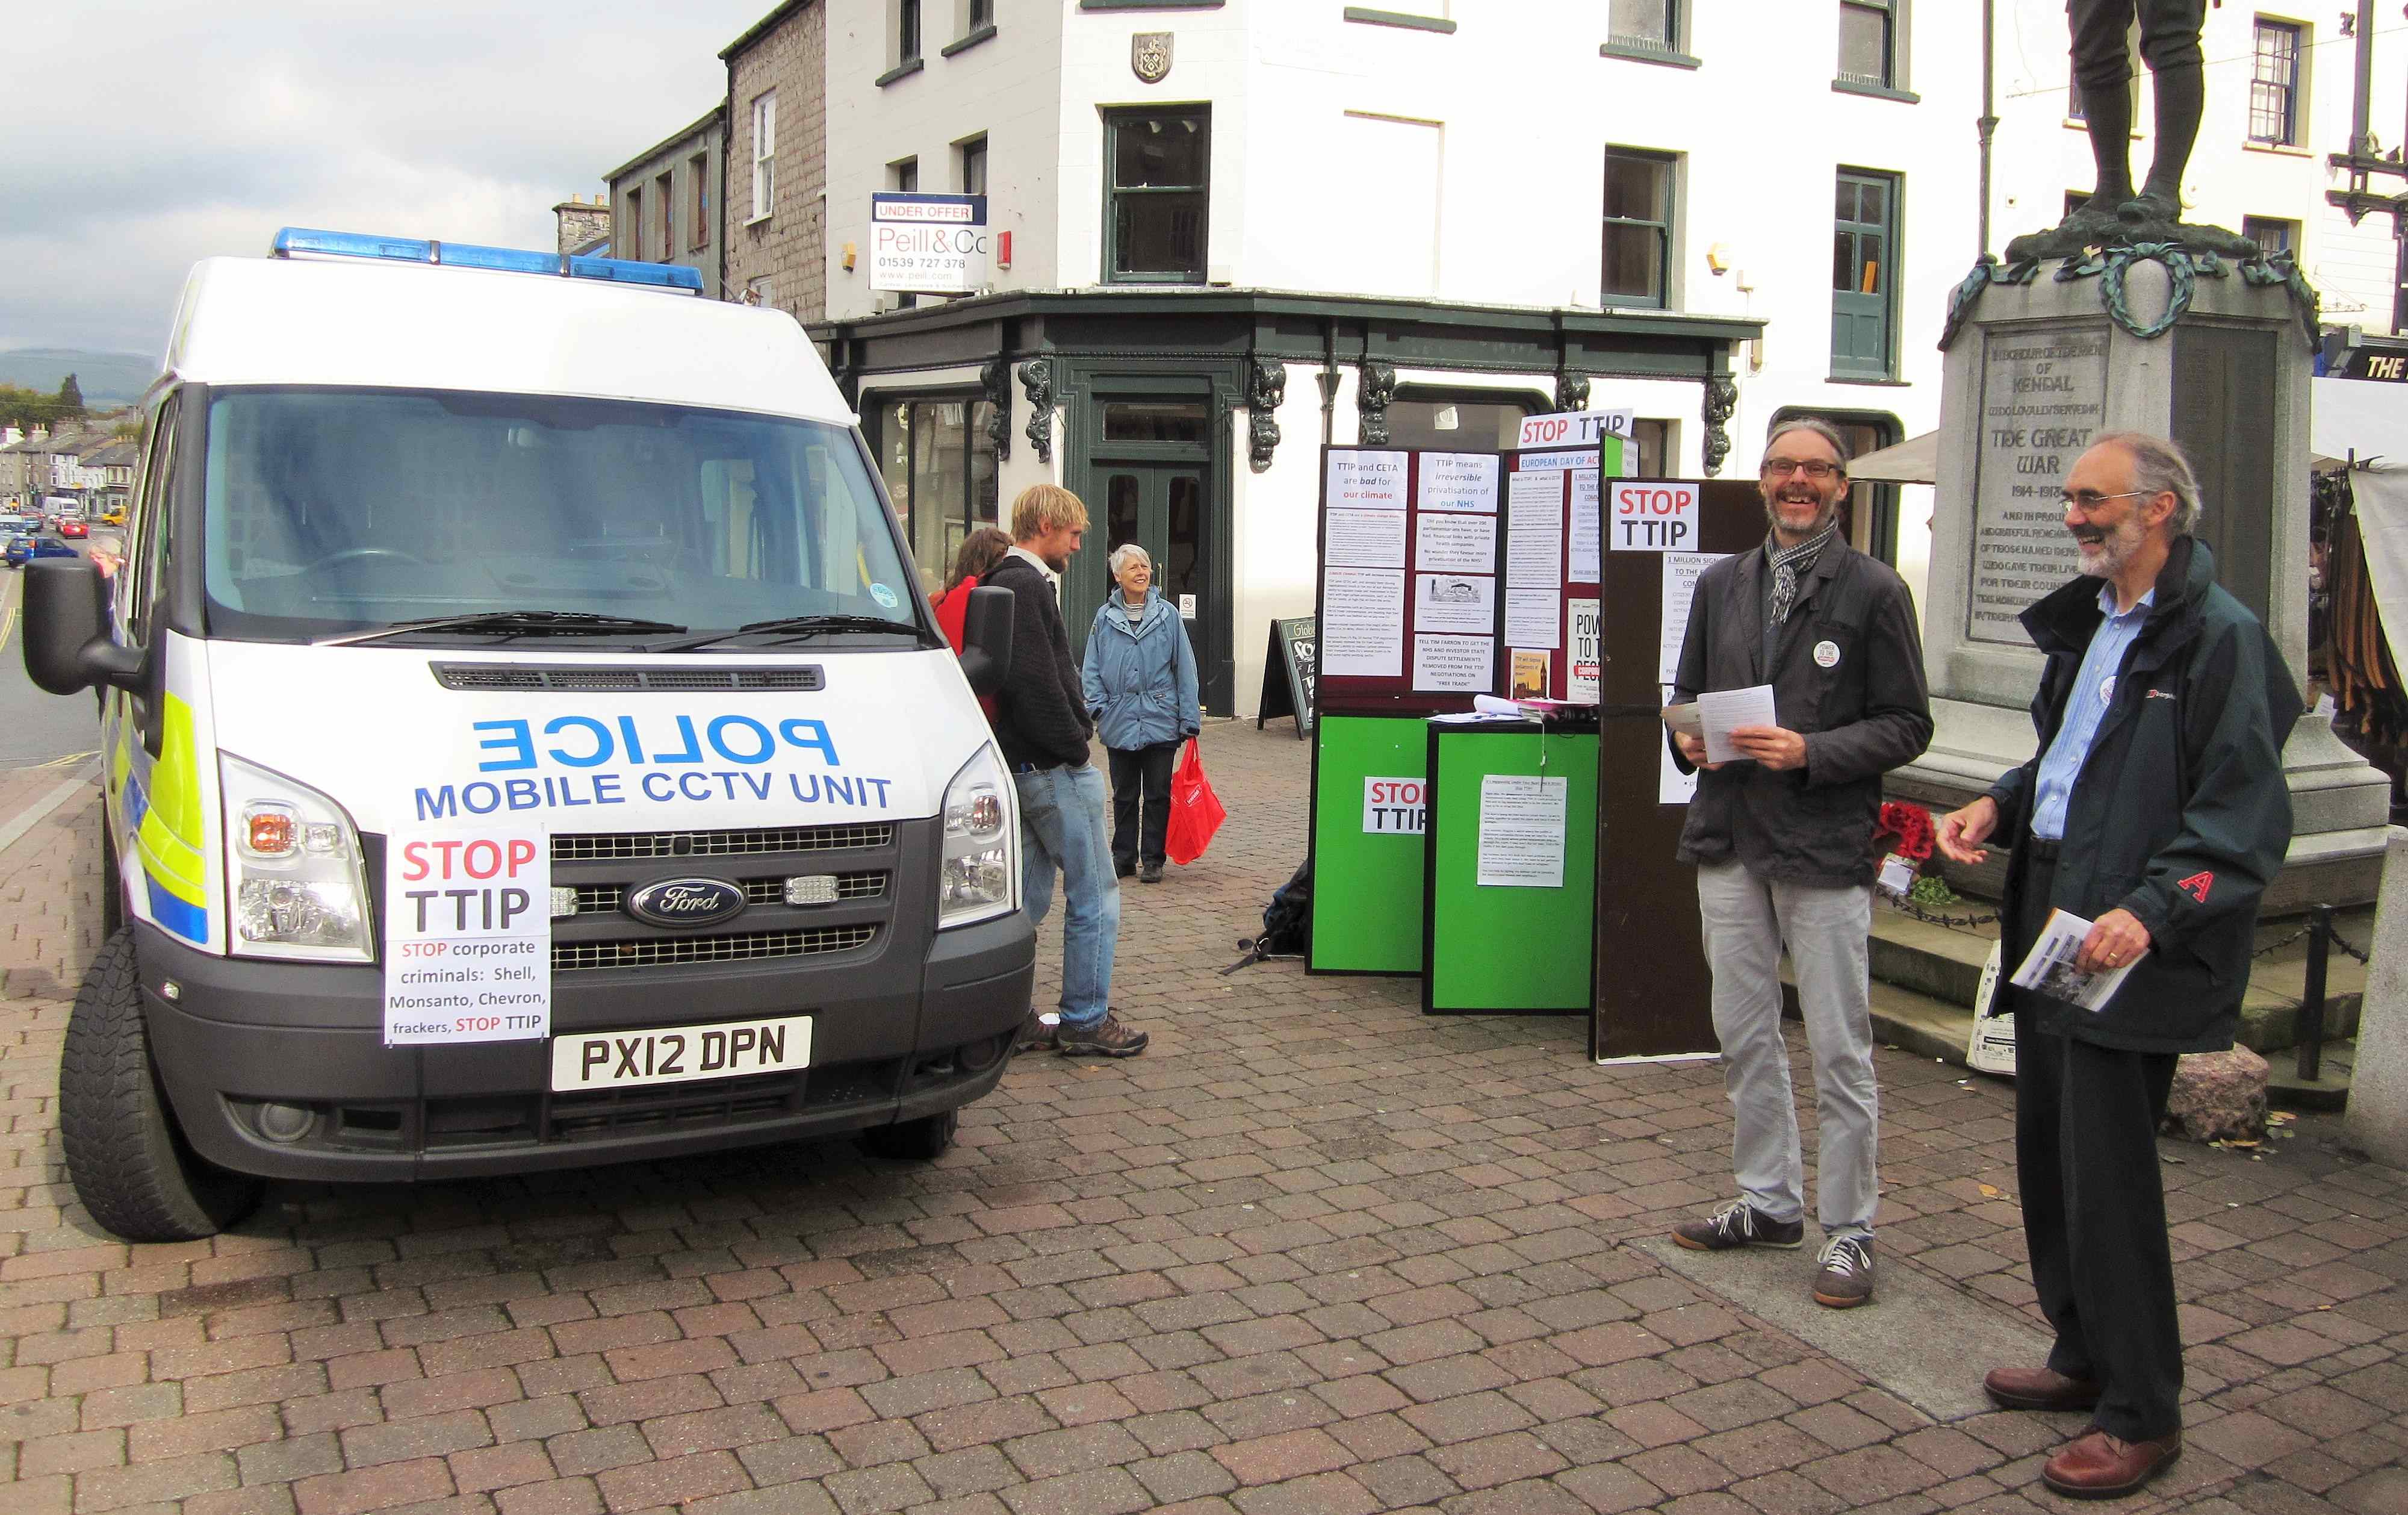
<point>1668,167</point>
<point>1197,117</point>
<point>1857,238</point>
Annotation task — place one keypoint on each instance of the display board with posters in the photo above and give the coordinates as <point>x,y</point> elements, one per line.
<point>1652,984</point>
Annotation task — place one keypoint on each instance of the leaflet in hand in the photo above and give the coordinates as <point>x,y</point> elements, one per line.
<point>1723,711</point>
<point>2049,968</point>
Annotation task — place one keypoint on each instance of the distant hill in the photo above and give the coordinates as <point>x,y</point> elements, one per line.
<point>106,379</point>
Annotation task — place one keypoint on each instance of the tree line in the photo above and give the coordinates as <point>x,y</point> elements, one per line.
<point>29,407</point>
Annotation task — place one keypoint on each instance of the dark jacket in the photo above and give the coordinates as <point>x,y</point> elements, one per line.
<point>1040,714</point>
<point>1140,680</point>
<point>1866,713</point>
<point>2180,814</point>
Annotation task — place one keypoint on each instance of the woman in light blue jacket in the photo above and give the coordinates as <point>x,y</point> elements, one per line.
<point>1140,684</point>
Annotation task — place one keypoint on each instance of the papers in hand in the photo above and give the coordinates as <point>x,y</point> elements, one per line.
<point>1722,712</point>
<point>2049,968</point>
<point>1682,719</point>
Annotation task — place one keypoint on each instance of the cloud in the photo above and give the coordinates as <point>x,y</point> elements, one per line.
<point>180,132</point>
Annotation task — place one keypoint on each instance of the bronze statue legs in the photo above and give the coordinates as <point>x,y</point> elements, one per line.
<point>2102,72</point>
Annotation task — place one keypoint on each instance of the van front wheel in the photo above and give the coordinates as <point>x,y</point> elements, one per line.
<point>130,1165</point>
<point>914,1141</point>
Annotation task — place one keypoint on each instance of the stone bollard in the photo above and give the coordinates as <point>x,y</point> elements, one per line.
<point>2218,1097</point>
<point>2377,1118</point>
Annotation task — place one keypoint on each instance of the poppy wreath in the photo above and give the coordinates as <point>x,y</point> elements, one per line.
<point>1904,830</point>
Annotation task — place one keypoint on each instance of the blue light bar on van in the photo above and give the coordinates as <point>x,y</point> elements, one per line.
<point>301,241</point>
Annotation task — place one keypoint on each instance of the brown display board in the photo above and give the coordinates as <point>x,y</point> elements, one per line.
<point>1652,984</point>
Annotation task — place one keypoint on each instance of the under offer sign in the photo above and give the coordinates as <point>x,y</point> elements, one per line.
<point>928,244</point>
<point>1652,517</point>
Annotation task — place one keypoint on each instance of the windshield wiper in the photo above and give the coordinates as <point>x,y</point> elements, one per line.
<point>526,623</point>
<point>799,625</point>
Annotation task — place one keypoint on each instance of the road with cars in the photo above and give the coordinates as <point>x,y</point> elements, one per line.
<point>36,729</point>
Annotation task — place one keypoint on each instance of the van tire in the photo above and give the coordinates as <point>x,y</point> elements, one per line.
<point>923,1140</point>
<point>130,1165</point>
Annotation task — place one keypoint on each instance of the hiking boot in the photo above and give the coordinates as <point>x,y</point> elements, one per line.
<point>1738,1224</point>
<point>1151,873</point>
<point>1110,1037</point>
<point>1038,1033</point>
<point>1846,1279</point>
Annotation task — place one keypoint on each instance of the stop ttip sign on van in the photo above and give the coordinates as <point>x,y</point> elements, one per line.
<point>1652,517</point>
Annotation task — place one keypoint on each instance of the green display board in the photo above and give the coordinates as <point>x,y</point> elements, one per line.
<point>1366,885</point>
<point>1508,948</point>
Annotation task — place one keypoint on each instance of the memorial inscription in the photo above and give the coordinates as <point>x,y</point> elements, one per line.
<point>2043,398</point>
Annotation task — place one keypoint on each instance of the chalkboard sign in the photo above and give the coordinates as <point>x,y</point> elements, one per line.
<point>1288,665</point>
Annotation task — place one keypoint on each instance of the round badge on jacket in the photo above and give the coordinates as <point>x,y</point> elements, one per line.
<point>2107,690</point>
<point>1827,653</point>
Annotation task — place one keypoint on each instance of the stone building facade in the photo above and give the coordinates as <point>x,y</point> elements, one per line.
<point>582,227</point>
<point>668,202</point>
<point>774,215</point>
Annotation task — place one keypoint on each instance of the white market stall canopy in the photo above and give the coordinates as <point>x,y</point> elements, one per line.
<point>1916,460</point>
<point>2356,419</point>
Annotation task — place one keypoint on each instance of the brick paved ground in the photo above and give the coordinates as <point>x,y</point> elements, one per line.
<point>1312,1253</point>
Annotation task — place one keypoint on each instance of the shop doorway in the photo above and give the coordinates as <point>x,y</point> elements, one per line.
<point>1149,481</point>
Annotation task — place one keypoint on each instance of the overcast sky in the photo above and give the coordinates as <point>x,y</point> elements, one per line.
<point>143,135</point>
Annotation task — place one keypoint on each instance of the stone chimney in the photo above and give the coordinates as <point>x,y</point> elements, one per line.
<point>582,222</point>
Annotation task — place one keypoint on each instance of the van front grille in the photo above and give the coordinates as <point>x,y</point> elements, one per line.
<point>594,898</point>
<point>665,951</point>
<point>592,846</point>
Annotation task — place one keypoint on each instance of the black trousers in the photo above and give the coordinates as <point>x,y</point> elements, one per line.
<point>1146,769</point>
<point>2094,1201</point>
<point>2170,31</point>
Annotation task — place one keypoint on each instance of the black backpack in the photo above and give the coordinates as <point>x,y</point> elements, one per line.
<point>1288,922</point>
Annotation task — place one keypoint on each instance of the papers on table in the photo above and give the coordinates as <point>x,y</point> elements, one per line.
<point>1721,711</point>
<point>2049,969</point>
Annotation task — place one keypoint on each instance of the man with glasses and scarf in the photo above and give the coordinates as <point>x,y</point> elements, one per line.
<point>1783,841</point>
<point>2155,809</point>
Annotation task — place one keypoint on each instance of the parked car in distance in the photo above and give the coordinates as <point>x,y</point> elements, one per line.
<point>73,526</point>
<point>24,548</point>
<point>114,516</point>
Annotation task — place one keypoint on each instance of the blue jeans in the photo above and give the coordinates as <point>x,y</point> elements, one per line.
<point>1062,827</point>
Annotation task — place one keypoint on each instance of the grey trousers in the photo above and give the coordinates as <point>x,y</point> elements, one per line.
<point>1746,919</point>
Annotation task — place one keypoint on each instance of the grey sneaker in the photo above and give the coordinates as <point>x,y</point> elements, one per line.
<point>1110,1037</point>
<point>1037,1035</point>
<point>1739,1224</point>
<point>1846,1279</point>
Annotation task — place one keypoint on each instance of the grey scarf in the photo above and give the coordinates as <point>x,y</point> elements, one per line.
<point>1790,564</point>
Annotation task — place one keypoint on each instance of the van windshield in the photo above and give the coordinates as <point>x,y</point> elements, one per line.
<point>334,510</point>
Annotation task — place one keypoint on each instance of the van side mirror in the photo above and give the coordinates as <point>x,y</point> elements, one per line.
<point>986,639</point>
<point>66,629</point>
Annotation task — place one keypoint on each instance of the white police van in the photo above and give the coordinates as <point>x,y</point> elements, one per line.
<point>526,746</point>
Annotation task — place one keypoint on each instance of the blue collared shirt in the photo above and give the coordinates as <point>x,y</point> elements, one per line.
<point>2094,690</point>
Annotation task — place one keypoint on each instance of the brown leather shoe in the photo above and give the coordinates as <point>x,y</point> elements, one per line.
<point>2096,1465</point>
<point>2039,1389</point>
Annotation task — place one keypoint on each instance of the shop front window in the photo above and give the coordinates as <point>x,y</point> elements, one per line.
<point>938,461</point>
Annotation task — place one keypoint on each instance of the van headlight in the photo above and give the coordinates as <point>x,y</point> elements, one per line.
<point>980,878</point>
<point>293,870</point>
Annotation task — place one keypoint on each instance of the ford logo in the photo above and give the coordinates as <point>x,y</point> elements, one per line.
<point>686,901</point>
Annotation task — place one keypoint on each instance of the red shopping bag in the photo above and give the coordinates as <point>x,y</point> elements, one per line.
<point>1196,811</point>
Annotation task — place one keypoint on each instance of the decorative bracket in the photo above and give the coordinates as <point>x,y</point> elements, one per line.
<point>1379,389</point>
<point>996,379</point>
<point>1571,392</point>
<point>1722,398</point>
<point>1037,378</point>
<point>1266,387</point>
